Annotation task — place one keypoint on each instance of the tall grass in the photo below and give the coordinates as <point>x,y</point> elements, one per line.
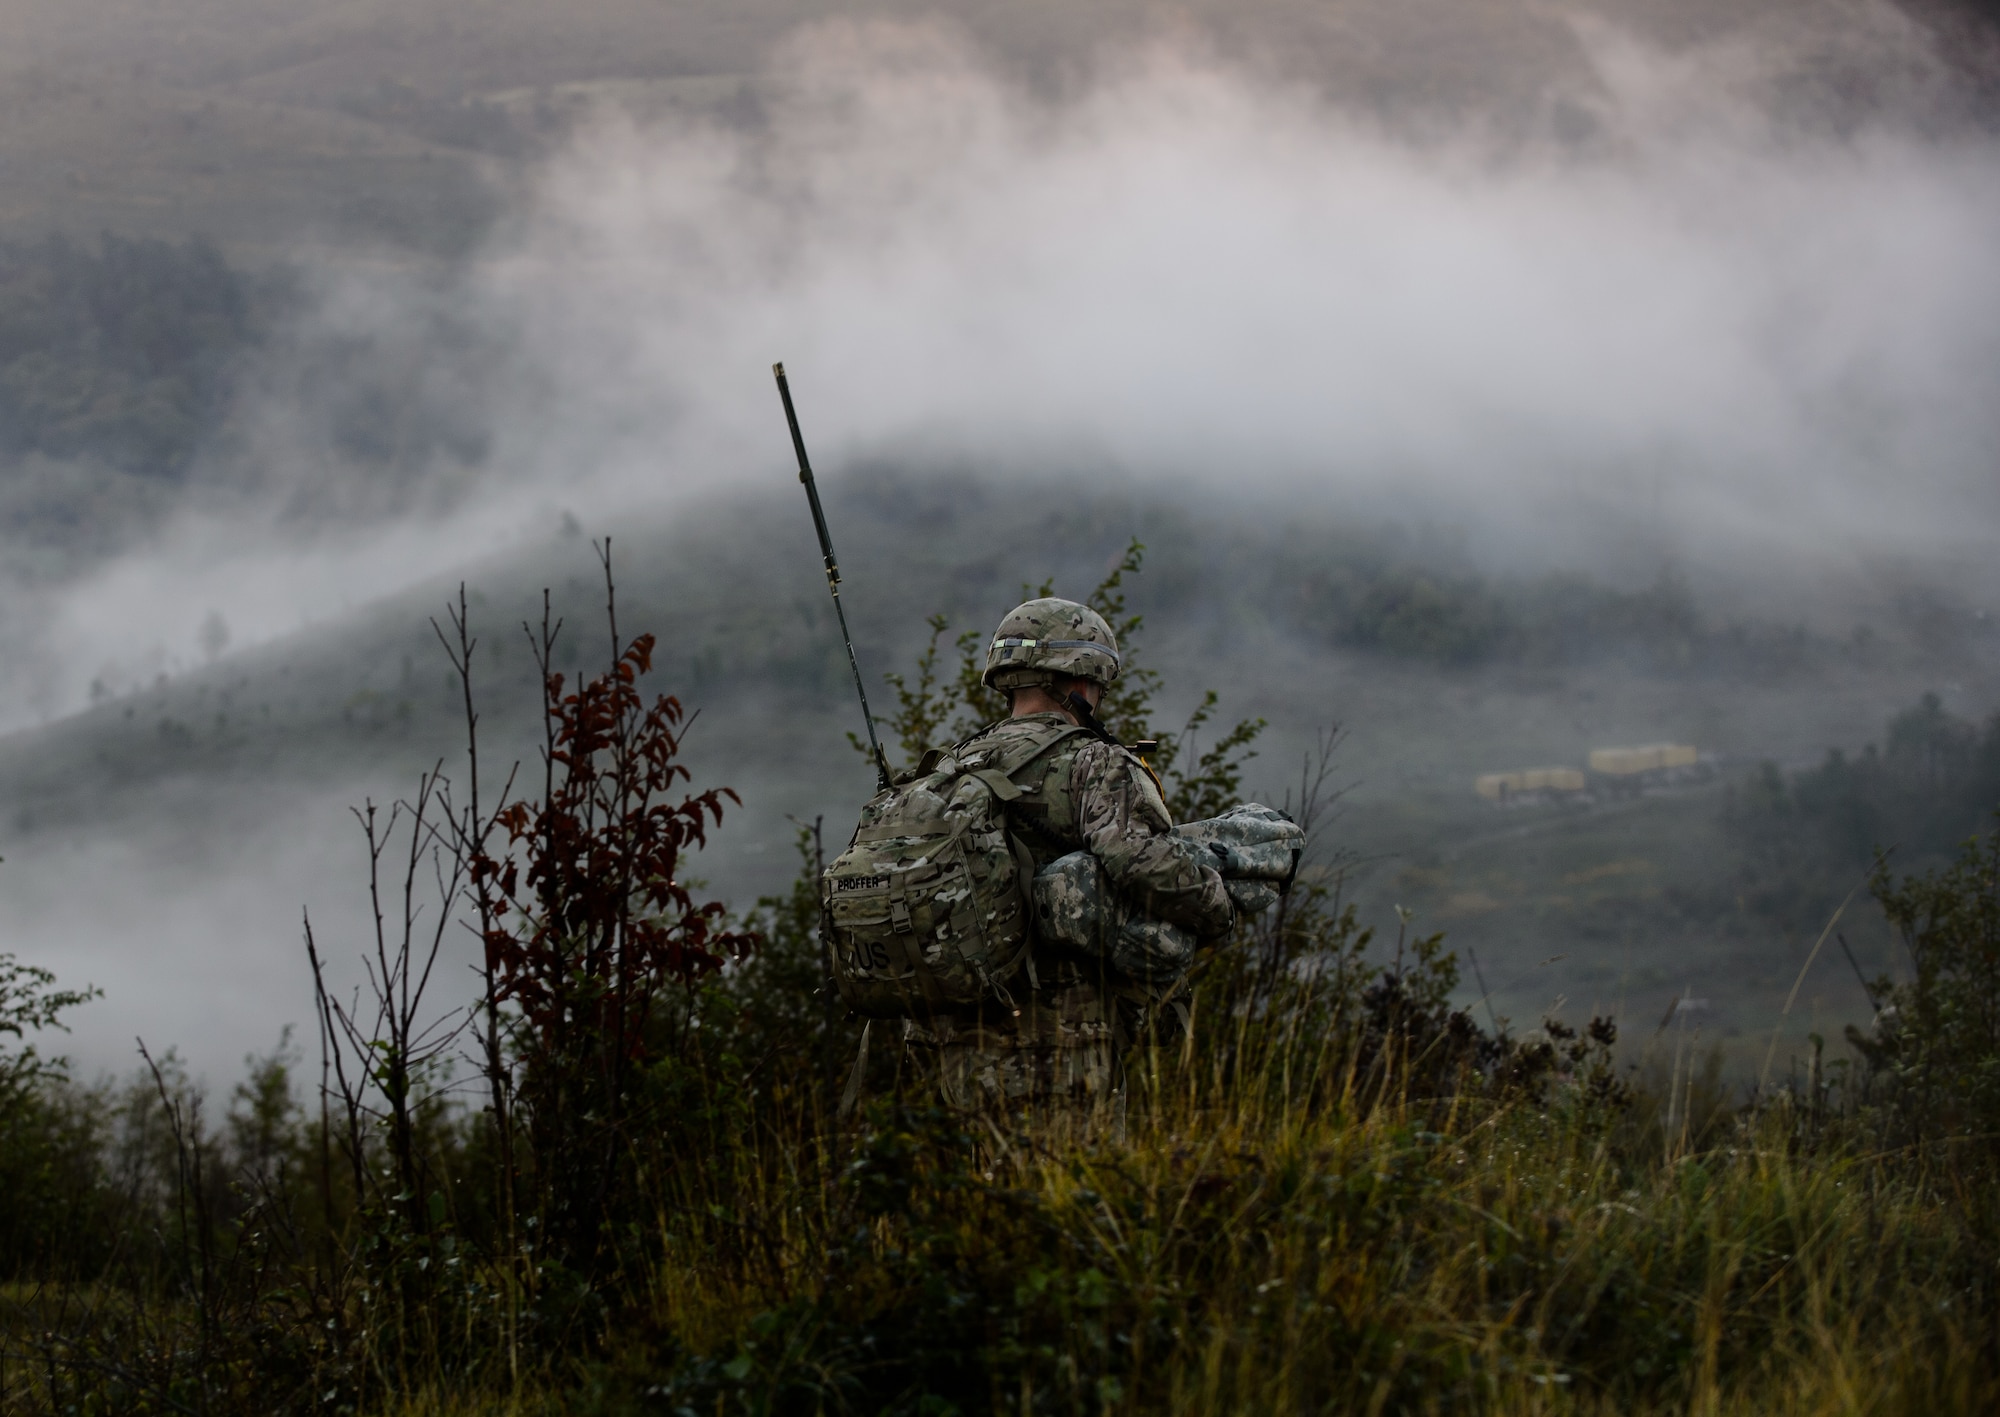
<point>1269,1247</point>
<point>1333,1193</point>
<point>1339,1198</point>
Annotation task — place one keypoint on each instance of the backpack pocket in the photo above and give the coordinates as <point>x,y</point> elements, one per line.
<point>926,911</point>
<point>922,925</point>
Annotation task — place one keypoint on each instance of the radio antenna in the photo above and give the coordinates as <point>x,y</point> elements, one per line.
<point>832,571</point>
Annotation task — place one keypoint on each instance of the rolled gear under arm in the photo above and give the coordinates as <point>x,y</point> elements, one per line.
<point>1075,904</point>
<point>1251,897</point>
<point>1125,825</point>
<point>1255,848</point>
<point>1251,842</point>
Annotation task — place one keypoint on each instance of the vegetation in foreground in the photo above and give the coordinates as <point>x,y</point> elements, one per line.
<point>1335,1193</point>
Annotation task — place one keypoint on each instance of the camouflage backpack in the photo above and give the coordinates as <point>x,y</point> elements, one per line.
<point>926,911</point>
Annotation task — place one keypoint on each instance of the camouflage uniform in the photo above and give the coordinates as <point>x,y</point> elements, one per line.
<point>1082,1010</point>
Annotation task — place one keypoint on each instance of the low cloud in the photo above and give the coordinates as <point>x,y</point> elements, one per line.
<point>1675,329</point>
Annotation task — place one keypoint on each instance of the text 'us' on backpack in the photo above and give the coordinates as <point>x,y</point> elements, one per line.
<point>926,911</point>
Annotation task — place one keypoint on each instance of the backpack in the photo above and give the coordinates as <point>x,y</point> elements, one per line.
<point>927,911</point>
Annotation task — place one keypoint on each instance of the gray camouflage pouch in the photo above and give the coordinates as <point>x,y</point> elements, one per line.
<point>1075,906</point>
<point>1251,842</point>
<point>1255,848</point>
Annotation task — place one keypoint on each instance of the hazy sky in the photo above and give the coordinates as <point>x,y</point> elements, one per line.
<point>1732,338</point>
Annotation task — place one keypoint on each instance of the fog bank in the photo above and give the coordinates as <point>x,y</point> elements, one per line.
<point>1685,333</point>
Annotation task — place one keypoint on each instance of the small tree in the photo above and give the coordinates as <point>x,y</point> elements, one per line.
<point>49,1145</point>
<point>29,1003</point>
<point>589,928</point>
<point>1939,1035</point>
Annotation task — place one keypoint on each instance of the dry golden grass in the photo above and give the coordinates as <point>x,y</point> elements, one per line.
<point>1272,1247</point>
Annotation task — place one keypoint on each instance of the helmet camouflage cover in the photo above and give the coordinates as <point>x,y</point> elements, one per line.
<point>1049,637</point>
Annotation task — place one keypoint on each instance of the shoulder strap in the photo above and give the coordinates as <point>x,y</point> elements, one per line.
<point>973,737</point>
<point>1013,761</point>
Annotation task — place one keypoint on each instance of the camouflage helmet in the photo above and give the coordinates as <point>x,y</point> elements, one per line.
<point>1045,638</point>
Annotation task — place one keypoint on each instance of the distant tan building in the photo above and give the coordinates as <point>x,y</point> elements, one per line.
<point>1648,757</point>
<point>1621,770</point>
<point>1503,786</point>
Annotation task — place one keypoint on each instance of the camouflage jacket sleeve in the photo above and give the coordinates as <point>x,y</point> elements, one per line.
<point>1125,825</point>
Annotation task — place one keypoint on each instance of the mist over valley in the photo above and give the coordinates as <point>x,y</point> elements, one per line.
<point>1496,386</point>
<point>168,839</point>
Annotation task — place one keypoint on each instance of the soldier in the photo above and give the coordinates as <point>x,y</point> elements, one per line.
<point>1053,659</point>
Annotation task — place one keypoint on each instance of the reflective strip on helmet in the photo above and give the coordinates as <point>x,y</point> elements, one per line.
<point>1057,644</point>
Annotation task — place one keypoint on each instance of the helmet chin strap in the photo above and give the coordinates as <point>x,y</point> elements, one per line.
<point>1086,717</point>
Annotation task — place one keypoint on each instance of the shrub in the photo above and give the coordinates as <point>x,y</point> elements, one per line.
<point>590,931</point>
<point>1937,1042</point>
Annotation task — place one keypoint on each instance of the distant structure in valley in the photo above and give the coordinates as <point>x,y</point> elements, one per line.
<point>1647,758</point>
<point>1611,772</point>
<point>1531,784</point>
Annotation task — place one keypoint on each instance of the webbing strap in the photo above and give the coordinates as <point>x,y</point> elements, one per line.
<point>1016,642</point>
<point>1024,868</point>
<point>851,1094</point>
<point>998,783</point>
<point>1013,765</point>
<point>892,833</point>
